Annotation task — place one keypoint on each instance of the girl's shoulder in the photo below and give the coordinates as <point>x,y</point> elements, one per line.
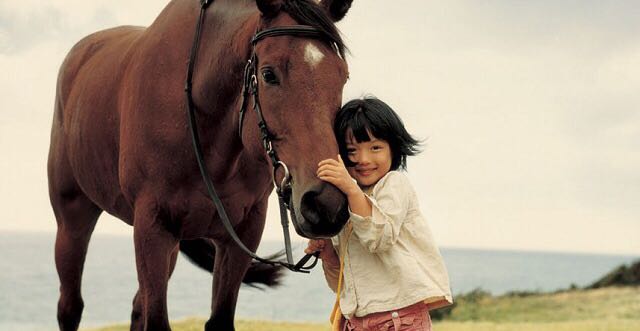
<point>393,180</point>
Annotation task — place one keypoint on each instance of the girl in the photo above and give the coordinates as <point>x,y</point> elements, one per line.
<point>384,265</point>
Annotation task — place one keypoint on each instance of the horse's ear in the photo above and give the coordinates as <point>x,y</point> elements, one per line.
<point>269,8</point>
<point>336,8</point>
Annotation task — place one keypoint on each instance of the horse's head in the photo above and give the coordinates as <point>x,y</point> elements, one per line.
<point>300,78</point>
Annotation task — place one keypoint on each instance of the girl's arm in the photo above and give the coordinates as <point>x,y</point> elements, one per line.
<point>359,203</point>
<point>331,274</point>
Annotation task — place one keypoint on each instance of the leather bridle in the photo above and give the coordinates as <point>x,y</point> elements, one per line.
<point>250,89</point>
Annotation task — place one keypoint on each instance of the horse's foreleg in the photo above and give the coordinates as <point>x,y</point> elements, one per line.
<point>136,312</point>
<point>156,249</point>
<point>231,264</point>
<point>76,216</point>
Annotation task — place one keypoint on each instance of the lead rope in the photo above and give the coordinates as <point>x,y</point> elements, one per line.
<point>336,313</point>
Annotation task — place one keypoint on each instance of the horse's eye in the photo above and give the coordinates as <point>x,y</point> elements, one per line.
<point>270,77</point>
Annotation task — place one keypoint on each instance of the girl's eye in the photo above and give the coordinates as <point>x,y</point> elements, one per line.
<point>376,148</point>
<point>270,77</point>
<point>351,151</point>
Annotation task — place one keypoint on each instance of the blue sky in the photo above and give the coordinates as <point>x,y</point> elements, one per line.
<point>531,112</point>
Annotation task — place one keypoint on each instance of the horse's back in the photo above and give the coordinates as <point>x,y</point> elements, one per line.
<point>100,52</point>
<point>83,155</point>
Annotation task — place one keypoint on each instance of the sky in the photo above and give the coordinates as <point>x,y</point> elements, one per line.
<point>530,112</point>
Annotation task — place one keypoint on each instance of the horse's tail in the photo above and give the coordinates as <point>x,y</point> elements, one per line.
<point>202,252</point>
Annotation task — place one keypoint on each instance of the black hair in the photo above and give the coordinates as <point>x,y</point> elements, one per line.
<point>309,12</point>
<point>370,115</point>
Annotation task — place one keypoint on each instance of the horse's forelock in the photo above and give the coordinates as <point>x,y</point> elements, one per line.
<point>309,12</point>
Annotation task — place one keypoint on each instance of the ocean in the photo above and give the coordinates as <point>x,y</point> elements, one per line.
<point>29,283</point>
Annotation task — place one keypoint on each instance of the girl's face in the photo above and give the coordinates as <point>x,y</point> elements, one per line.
<point>372,159</point>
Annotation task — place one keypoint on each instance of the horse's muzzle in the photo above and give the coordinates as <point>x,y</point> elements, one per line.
<point>324,211</point>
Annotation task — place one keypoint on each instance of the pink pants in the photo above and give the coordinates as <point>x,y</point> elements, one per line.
<point>411,318</point>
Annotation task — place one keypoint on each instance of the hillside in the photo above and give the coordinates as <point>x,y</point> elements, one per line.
<point>621,276</point>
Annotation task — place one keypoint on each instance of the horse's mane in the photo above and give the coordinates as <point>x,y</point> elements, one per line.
<point>308,12</point>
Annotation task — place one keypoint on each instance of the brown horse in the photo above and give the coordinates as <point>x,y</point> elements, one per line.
<point>120,143</point>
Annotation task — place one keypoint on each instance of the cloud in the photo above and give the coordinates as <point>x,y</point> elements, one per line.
<point>25,24</point>
<point>20,31</point>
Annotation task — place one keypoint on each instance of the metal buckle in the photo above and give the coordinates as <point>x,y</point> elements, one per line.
<point>286,180</point>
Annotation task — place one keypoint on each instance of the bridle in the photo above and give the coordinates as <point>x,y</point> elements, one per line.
<point>250,89</point>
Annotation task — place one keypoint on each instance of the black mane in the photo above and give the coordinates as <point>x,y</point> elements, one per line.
<point>308,12</point>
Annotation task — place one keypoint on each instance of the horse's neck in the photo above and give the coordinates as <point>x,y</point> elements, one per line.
<point>224,48</point>
<point>220,70</point>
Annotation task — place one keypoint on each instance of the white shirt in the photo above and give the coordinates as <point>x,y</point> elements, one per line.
<point>391,260</point>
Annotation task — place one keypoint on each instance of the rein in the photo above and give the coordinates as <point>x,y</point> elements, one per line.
<point>250,89</point>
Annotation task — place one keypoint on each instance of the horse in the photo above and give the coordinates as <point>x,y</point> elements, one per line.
<point>120,143</point>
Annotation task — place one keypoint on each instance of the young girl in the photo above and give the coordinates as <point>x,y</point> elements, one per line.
<point>392,271</point>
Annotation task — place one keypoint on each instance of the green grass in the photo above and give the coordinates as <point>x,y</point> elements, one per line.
<point>607,309</point>
<point>576,305</point>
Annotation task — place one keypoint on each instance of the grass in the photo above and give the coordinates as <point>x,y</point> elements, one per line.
<point>576,305</point>
<point>606,309</point>
<point>194,324</point>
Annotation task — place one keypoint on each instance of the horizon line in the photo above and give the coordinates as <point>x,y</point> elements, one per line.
<point>298,240</point>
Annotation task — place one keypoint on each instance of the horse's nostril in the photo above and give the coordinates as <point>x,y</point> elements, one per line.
<point>316,212</point>
<point>309,207</point>
<point>324,211</point>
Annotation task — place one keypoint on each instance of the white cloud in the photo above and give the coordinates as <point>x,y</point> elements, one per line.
<point>25,24</point>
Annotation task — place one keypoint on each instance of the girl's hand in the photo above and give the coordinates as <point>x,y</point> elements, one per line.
<point>334,172</point>
<point>327,253</point>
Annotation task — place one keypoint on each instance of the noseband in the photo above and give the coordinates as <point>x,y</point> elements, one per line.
<point>250,89</point>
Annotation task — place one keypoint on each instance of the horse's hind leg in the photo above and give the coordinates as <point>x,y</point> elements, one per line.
<point>76,216</point>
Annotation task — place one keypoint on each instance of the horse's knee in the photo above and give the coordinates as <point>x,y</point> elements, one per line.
<point>69,312</point>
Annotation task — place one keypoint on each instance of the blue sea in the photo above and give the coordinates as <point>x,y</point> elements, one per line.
<point>29,283</point>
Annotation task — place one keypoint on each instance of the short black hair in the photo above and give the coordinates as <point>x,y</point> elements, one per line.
<point>372,115</point>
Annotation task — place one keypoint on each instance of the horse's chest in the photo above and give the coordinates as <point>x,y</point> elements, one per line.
<point>198,216</point>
